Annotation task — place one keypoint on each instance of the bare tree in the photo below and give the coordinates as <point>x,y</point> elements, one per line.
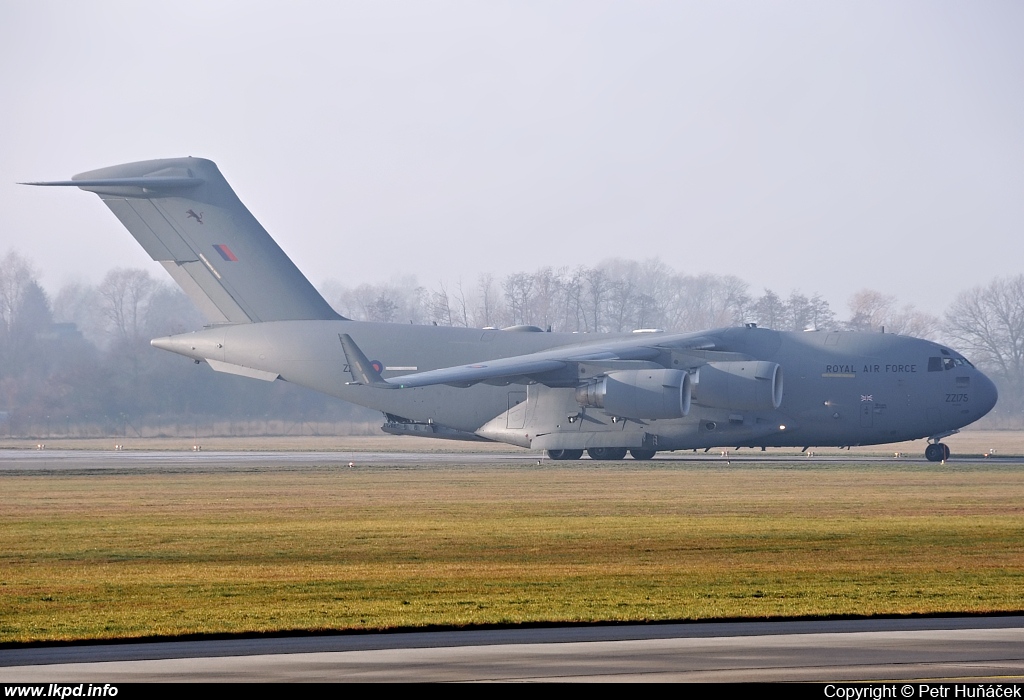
<point>125,292</point>
<point>698,302</point>
<point>440,305</point>
<point>462,306</point>
<point>81,304</point>
<point>547,288</point>
<point>170,311</point>
<point>873,311</point>
<point>624,290</point>
<point>735,299</point>
<point>572,285</point>
<point>910,321</point>
<point>597,289</point>
<point>869,309</point>
<point>488,307</point>
<point>400,300</point>
<point>16,274</point>
<point>988,323</point>
<point>518,288</point>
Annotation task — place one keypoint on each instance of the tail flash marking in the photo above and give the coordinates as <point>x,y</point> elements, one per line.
<point>225,252</point>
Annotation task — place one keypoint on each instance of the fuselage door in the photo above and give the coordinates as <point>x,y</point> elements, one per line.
<point>516,416</point>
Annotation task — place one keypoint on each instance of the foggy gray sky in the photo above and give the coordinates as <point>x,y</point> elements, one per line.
<point>819,146</point>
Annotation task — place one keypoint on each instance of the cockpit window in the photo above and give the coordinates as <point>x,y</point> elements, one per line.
<point>941,364</point>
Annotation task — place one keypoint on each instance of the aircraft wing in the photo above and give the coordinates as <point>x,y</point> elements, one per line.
<point>506,370</point>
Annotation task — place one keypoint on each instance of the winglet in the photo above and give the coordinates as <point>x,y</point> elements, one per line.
<point>362,370</point>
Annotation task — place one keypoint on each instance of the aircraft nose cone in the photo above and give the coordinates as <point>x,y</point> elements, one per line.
<point>986,394</point>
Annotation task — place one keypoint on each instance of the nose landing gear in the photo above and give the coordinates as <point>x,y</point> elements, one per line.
<point>936,452</point>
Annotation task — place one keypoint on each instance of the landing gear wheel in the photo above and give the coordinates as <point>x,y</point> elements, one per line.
<point>642,454</point>
<point>607,453</point>
<point>937,452</point>
<point>565,454</point>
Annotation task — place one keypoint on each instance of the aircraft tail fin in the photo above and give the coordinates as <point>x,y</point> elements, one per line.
<point>186,216</point>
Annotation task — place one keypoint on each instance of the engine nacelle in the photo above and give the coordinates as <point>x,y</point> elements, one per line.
<point>644,394</point>
<point>742,386</point>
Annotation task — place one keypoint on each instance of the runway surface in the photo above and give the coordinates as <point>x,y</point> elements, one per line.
<point>925,649</point>
<point>87,460</point>
<point>57,460</point>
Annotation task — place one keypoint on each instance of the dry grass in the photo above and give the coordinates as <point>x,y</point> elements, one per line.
<point>124,554</point>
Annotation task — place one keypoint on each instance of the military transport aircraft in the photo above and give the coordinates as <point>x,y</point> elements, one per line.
<point>560,392</point>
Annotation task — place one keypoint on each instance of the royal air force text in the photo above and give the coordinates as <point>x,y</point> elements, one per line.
<point>871,369</point>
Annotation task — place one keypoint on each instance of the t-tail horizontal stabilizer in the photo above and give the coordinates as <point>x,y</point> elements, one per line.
<point>186,216</point>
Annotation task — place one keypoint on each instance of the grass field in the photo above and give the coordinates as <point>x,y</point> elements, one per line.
<point>126,554</point>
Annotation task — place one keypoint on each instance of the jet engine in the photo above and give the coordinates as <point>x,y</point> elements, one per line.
<point>639,393</point>
<point>747,386</point>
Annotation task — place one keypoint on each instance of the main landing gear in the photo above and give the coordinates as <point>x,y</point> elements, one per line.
<point>565,454</point>
<point>936,452</point>
<point>607,453</point>
<point>602,453</point>
<point>642,454</point>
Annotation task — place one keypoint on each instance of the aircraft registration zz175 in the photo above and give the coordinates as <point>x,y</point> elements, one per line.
<point>565,393</point>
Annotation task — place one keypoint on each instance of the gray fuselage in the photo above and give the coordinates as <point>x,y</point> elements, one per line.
<point>841,388</point>
<point>560,392</point>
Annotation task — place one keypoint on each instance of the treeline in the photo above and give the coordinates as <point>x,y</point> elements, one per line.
<point>80,364</point>
<point>79,361</point>
<point>617,296</point>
